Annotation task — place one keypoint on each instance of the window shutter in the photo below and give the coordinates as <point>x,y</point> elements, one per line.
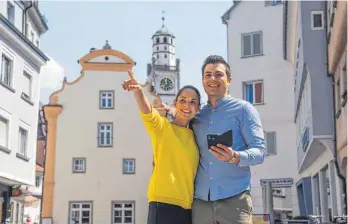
<point>271,146</point>
<point>3,132</point>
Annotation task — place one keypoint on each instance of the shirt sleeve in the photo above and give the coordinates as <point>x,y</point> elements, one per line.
<point>252,132</point>
<point>153,121</point>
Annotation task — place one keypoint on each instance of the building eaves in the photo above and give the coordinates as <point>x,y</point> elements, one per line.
<point>226,15</point>
<point>25,39</point>
<point>38,18</point>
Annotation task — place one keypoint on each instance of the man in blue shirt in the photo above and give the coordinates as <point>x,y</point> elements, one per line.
<point>222,186</point>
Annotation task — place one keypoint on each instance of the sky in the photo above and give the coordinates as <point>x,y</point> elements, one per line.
<point>77,26</point>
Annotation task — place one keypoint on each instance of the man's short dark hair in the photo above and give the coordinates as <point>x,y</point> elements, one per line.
<point>216,59</point>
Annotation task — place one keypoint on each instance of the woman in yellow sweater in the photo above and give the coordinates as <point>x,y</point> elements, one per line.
<point>170,192</point>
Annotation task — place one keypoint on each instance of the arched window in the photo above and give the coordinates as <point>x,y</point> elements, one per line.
<point>165,39</point>
<point>157,40</point>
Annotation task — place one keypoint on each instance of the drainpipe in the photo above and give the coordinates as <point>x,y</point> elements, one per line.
<point>24,19</point>
<point>44,163</point>
<point>332,76</point>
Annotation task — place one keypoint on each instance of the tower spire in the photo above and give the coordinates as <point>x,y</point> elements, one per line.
<point>163,18</point>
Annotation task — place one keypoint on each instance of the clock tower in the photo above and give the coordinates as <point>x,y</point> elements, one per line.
<point>163,71</point>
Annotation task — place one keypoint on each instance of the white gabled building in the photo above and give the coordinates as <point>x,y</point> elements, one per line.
<point>21,25</point>
<point>98,155</point>
<point>261,76</point>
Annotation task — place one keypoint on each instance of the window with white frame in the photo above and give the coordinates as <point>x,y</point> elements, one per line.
<point>26,86</point>
<point>23,141</point>
<point>271,142</point>
<point>106,99</point>
<point>105,134</point>
<point>253,92</point>
<point>4,127</point>
<point>10,12</point>
<point>252,44</point>
<point>128,166</point>
<point>79,165</point>
<point>80,212</point>
<point>123,212</point>
<point>6,70</point>
<point>317,20</point>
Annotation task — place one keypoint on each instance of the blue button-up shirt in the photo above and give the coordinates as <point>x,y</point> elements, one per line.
<point>225,180</point>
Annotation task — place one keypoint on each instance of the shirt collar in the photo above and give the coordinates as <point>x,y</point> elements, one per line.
<point>221,101</point>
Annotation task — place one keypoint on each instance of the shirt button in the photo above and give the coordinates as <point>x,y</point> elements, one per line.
<point>210,163</point>
<point>210,122</point>
<point>210,178</point>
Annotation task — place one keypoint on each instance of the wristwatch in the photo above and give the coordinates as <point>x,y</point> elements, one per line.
<point>233,159</point>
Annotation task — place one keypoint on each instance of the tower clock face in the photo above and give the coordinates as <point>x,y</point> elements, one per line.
<point>166,84</point>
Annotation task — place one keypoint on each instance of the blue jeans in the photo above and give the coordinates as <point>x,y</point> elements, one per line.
<point>162,213</point>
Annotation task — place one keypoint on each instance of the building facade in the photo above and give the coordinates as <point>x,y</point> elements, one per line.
<point>261,76</point>
<point>95,172</point>
<point>21,25</point>
<point>336,28</point>
<point>305,45</point>
<point>164,70</point>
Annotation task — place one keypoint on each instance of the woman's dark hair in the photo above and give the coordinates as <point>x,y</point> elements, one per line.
<point>189,87</point>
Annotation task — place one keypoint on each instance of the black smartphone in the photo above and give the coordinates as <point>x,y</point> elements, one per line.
<point>224,139</point>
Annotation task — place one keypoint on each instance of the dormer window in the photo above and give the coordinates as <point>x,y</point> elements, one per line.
<point>10,12</point>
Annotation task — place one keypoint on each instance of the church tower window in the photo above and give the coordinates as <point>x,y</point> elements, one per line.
<point>165,39</point>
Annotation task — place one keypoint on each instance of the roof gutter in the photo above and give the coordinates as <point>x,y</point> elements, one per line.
<point>24,19</point>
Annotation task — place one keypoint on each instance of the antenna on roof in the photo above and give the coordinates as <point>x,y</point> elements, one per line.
<point>163,12</point>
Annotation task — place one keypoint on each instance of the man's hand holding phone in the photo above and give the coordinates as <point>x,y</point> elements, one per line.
<point>221,147</point>
<point>225,154</point>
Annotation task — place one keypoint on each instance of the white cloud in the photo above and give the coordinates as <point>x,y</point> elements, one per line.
<point>51,75</point>
<point>51,79</point>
